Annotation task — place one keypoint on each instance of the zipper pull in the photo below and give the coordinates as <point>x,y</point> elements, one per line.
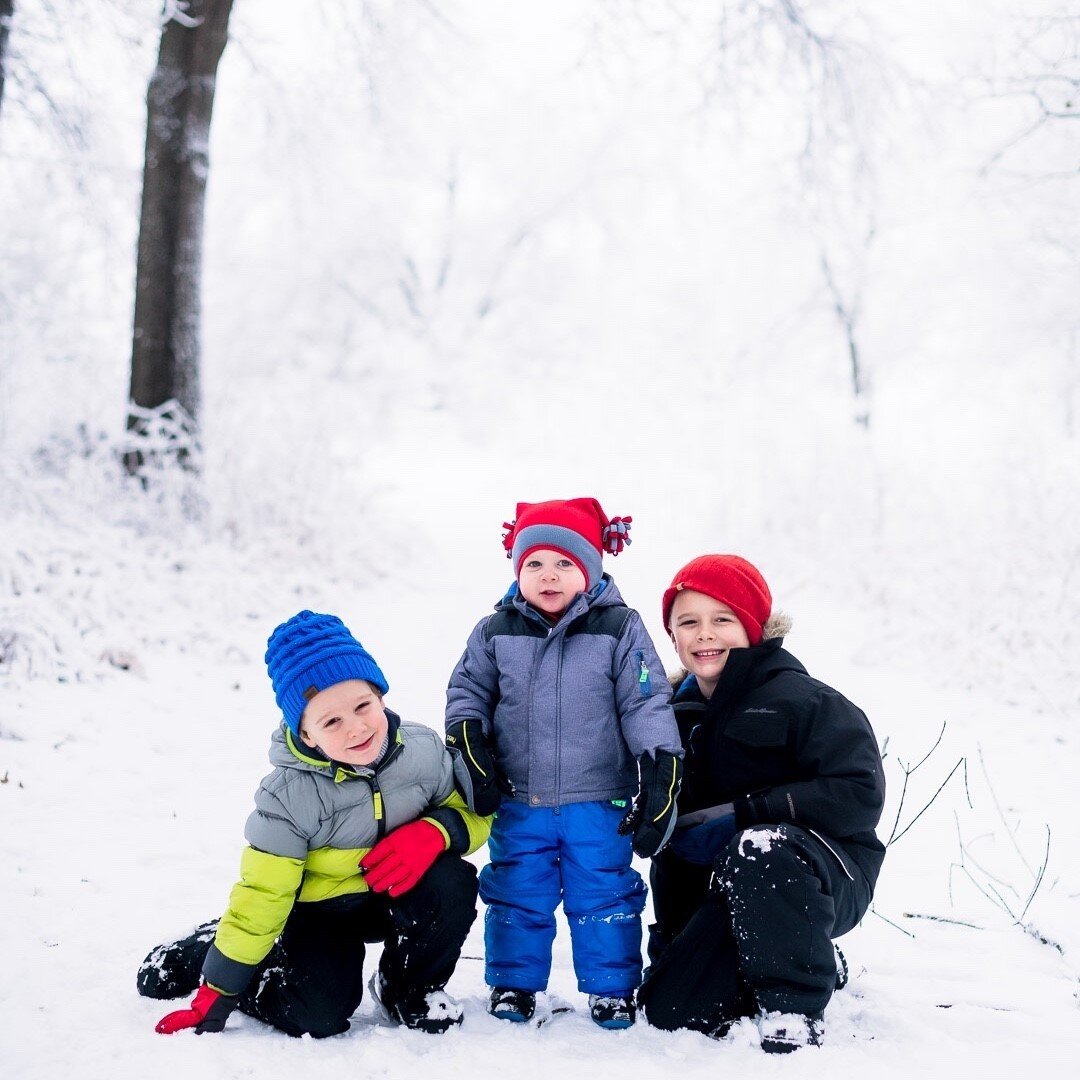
<point>644,683</point>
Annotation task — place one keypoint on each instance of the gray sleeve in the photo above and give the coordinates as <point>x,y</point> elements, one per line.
<point>275,825</point>
<point>474,684</point>
<point>643,693</point>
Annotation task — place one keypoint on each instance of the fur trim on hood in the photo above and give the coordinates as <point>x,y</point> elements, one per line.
<point>778,625</point>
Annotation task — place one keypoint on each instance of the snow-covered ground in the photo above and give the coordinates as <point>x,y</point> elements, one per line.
<point>530,254</point>
<point>124,795</point>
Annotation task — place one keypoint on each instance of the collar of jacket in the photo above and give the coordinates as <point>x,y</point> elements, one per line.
<point>602,594</point>
<point>745,669</point>
<point>341,771</point>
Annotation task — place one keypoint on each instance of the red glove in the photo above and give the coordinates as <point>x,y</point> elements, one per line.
<point>208,1012</point>
<point>398,861</point>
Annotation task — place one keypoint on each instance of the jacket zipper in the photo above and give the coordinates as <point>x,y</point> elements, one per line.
<point>558,728</point>
<point>376,792</point>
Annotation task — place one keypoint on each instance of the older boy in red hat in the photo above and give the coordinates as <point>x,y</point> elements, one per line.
<point>775,853</point>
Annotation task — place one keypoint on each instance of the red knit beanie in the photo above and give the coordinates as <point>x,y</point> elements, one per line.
<point>731,580</point>
<point>576,528</point>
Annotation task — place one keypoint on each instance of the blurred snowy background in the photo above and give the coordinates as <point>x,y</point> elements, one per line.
<point>800,288</point>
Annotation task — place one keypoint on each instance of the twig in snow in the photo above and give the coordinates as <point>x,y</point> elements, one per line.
<point>1001,813</point>
<point>942,919</point>
<point>989,889</point>
<point>908,771</point>
<point>906,933</point>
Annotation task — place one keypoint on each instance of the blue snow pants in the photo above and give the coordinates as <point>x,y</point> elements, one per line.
<point>573,854</point>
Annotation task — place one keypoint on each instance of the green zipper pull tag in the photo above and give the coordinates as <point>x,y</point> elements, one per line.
<point>644,683</point>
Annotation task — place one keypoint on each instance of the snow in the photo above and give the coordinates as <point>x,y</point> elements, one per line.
<point>542,255</point>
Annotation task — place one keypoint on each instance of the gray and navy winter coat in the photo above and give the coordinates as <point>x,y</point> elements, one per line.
<point>569,708</point>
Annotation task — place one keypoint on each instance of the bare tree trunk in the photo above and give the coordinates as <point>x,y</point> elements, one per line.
<point>165,397</point>
<point>7,11</point>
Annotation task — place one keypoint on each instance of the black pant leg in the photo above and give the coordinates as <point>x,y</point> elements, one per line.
<point>429,926</point>
<point>788,896</point>
<point>695,982</point>
<point>313,979</point>
<point>678,889</point>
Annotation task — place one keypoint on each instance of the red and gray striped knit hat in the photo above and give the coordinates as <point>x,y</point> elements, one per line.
<point>576,528</point>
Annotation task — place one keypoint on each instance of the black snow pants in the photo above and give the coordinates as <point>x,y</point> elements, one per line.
<point>313,979</point>
<point>759,941</point>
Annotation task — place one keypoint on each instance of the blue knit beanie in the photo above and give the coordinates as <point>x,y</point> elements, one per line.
<point>312,652</point>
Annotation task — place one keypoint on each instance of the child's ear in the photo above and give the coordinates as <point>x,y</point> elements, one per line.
<point>305,740</point>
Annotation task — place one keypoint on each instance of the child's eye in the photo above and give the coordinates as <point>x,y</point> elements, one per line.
<point>363,705</point>
<point>332,721</point>
<point>564,564</point>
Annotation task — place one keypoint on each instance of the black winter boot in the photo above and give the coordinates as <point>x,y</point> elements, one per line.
<point>783,1033</point>
<point>517,1006</point>
<point>613,1011</point>
<point>433,1013</point>
<point>173,970</point>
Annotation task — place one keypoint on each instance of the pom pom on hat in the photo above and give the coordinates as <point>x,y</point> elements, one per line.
<point>311,652</point>
<point>576,528</point>
<point>731,580</point>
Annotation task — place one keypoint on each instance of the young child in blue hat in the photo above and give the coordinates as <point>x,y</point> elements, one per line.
<point>356,836</point>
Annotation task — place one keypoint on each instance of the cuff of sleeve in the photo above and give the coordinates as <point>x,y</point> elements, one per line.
<point>225,975</point>
<point>751,810</point>
<point>448,821</point>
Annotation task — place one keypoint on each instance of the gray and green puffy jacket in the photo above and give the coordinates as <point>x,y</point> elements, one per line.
<point>313,822</point>
<point>569,708</point>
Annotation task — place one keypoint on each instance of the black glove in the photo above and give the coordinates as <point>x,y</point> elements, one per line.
<point>652,817</point>
<point>468,737</point>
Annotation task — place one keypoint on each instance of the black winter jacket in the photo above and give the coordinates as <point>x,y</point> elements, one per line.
<point>784,747</point>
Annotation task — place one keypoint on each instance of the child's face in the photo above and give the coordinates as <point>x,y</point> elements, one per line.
<point>704,631</point>
<point>549,581</point>
<point>347,722</point>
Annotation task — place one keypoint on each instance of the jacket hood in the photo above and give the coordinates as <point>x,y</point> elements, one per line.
<point>744,668</point>
<point>778,627</point>
<point>603,594</point>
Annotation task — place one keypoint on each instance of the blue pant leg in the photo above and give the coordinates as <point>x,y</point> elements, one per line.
<point>603,897</point>
<point>521,889</point>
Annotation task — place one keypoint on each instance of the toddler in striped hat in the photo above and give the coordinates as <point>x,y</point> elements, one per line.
<point>558,715</point>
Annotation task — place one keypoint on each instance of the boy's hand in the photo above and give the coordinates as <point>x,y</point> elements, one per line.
<point>398,861</point>
<point>468,737</point>
<point>702,844</point>
<point>652,817</point>
<point>208,1011</point>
